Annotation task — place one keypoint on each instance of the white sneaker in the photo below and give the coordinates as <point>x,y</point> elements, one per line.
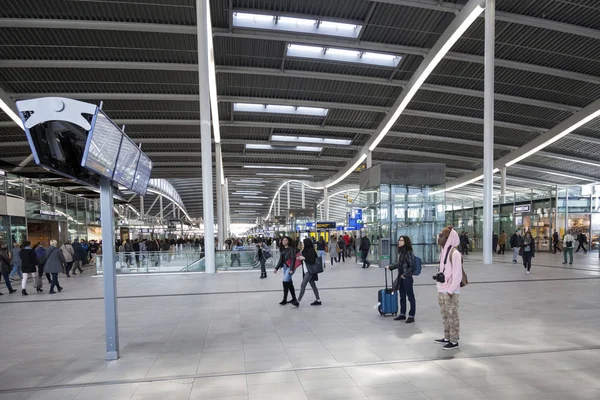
<point>527,272</point>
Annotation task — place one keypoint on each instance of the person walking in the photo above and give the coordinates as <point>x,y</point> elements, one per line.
<point>568,241</point>
<point>581,239</point>
<point>347,247</point>
<point>404,282</point>
<point>68,254</point>
<point>502,239</point>
<point>29,266</point>
<point>365,247</point>
<point>322,249</point>
<point>287,262</point>
<point>5,267</point>
<point>515,243</point>
<point>127,249</point>
<point>494,242</point>
<point>135,246</point>
<point>449,288</point>
<point>78,257</point>
<point>54,263</point>
<point>556,242</point>
<point>527,247</point>
<point>341,249</point>
<point>263,253</point>
<point>309,256</point>
<point>16,261</point>
<point>332,246</point>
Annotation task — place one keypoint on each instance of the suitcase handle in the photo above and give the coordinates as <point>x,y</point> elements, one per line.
<point>386,281</point>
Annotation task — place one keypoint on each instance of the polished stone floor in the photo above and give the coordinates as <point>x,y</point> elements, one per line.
<point>226,337</point>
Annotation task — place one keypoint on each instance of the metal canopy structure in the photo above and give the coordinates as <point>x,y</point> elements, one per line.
<point>140,58</point>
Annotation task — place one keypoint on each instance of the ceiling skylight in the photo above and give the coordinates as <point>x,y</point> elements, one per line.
<point>277,109</point>
<point>301,25</point>
<point>276,167</point>
<point>308,139</point>
<point>282,148</point>
<point>344,55</point>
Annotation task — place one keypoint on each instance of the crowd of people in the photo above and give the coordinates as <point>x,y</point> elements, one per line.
<point>25,260</point>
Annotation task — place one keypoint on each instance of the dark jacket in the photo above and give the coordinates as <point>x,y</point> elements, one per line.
<point>321,245</point>
<point>405,264</point>
<point>79,252</point>
<point>341,244</point>
<point>365,244</point>
<point>53,260</point>
<point>4,261</point>
<point>136,246</point>
<point>165,246</point>
<point>310,256</point>
<point>28,260</point>
<point>531,246</point>
<point>152,245</point>
<point>515,240</point>
<point>94,247</point>
<point>287,256</point>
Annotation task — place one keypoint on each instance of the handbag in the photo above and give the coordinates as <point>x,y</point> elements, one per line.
<point>315,268</point>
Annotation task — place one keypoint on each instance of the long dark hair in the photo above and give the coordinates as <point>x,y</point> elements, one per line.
<point>291,242</point>
<point>308,244</point>
<point>407,244</point>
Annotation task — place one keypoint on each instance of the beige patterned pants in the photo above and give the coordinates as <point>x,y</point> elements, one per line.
<point>449,309</point>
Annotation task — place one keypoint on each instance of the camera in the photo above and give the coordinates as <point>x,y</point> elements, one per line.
<point>439,277</point>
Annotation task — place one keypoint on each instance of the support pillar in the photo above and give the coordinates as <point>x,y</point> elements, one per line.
<point>219,190</point>
<point>369,159</point>
<point>566,209</point>
<point>279,204</point>
<point>502,183</point>
<point>204,44</point>
<point>111,320</point>
<point>303,198</point>
<point>488,131</point>
<point>142,206</point>
<point>160,205</point>
<point>288,198</point>
<point>326,204</point>
<point>227,218</point>
<point>556,211</point>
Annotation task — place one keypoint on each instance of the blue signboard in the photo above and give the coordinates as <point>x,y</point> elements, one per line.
<point>355,219</point>
<point>310,225</point>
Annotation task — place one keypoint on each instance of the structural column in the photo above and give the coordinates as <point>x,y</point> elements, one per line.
<point>369,159</point>
<point>326,203</point>
<point>288,198</point>
<point>503,183</point>
<point>279,204</point>
<point>566,209</point>
<point>226,217</point>
<point>204,43</point>
<point>488,131</point>
<point>141,205</point>
<point>219,190</point>
<point>111,320</point>
<point>556,211</point>
<point>160,205</point>
<point>303,198</point>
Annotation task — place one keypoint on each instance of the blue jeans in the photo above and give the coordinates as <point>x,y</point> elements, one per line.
<point>7,282</point>
<point>16,270</point>
<point>406,290</point>
<point>569,251</point>
<point>286,276</point>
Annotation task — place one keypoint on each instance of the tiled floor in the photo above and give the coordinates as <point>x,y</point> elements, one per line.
<point>225,337</point>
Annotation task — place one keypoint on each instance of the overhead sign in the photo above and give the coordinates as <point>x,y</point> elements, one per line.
<point>326,225</point>
<point>522,208</point>
<point>310,225</point>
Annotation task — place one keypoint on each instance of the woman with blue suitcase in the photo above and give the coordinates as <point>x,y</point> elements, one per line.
<point>404,281</point>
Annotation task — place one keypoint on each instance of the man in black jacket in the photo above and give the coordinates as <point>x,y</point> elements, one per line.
<point>582,239</point>
<point>365,246</point>
<point>79,256</point>
<point>515,243</point>
<point>136,249</point>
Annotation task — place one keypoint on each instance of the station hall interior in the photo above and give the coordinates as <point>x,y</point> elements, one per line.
<point>174,152</point>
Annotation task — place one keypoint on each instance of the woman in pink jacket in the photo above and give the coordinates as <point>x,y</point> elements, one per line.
<point>448,281</point>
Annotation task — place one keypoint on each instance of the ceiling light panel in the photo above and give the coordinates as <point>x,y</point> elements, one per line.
<point>275,167</point>
<point>284,175</point>
<point>310,139</point>
<point>343,55</point>
<point>283,148</point>
<point>293,24</point>
<point>279,109</point>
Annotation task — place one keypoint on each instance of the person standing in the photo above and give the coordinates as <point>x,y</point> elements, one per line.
<point>347,248</point>
<point>341,249</point>
<point>568,241</point>
<point>16,261</point>
<point>54,262</point>
<point>527,246</point>
<point>68,254</point>
<point>365,247</point>
<point>515,243</point>
<point>332,249</point>
<point>321,249</point>
<point>287,262</point>
<point>5,267</point>
<point>29,266</point>
<point>94,250</point>
<point>502,239</point>
<point>263,250</point>
<point>136,249</point>
<point>404,281</point>
<point>127,249</point>
<point>309,256</point>
<point>78,257</point>
<point>555,242</point>
<point>582,239</point>
<point>494,242</point>
<point>449,288</point>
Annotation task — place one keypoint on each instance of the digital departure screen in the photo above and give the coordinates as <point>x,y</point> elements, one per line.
<point>102,147</point>
<point>142,175</point>
<point>126,163</point>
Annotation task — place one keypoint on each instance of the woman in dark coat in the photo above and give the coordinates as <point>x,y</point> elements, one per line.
<point>29,265</point>
<point>404,281</point>
<point>5,267</point>
<point>527,250</point>
<point>287,260</point>
<point>309,256</point>
<point>54,264</point>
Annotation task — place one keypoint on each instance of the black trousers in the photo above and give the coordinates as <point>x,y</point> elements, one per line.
<point>366,262</point>
<point>527,255</point>
<point>406,290</point>
<point>502,248</point>
<point>556,248</point>
<point>581,246</point>
<point>263,266</point>
<point>341,256</point>
<point>54,281</point>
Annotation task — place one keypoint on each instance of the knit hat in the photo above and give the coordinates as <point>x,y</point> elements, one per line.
<point>446,231</point>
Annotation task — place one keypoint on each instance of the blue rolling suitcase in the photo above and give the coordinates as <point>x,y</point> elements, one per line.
<point>387,298</point>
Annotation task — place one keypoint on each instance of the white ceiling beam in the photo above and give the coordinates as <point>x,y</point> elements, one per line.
<point>86,64</point>
<point>500,16</point>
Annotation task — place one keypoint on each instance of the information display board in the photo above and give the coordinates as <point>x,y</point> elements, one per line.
<point>102,147</point>
<point>126,163</point>
<point>142,175</point>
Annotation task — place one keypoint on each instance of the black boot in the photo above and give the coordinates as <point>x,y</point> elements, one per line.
<point>285,293</point>
<point>293,293</point>
<point>24,292</point>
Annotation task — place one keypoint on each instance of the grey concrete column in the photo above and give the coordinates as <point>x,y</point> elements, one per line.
<point>204,43</point>
<point>303,198</point>
<point>326,204</point>
<point>160,205</point>
<point>288,198</point>
<point>488,131</point>
<point>142,206</point>
<point>109,268</point>
<point>566,208</point>
<point>369,159</point>
<point>227,217</point>
<point>503,183</point>
<point>219,190</point>
<point>279,204</point>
